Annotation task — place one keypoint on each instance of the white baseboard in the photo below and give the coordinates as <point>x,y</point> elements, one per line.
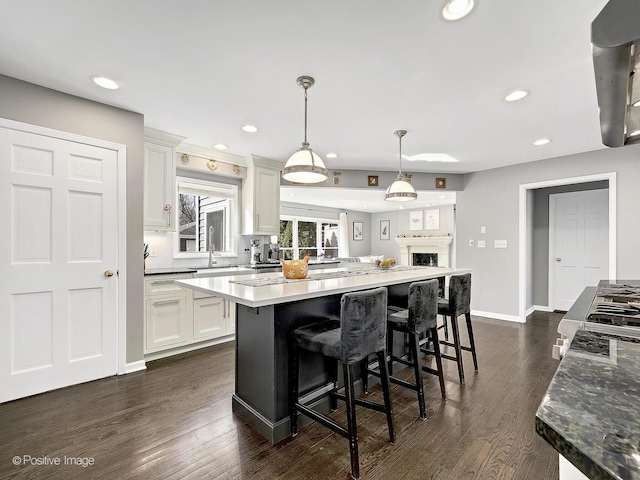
<point>497,316</point>
<point>135,367</point>
<point>188,348</point>
<point>539,308</point>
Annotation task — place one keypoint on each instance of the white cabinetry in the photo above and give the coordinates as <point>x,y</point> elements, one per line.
<point>178,319</point>
<point>261,197</point>
<point>167,313</point>
<point>211,317</point>
<point>159,180</point>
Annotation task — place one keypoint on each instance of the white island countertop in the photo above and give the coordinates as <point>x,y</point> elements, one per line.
<point>315,285</point>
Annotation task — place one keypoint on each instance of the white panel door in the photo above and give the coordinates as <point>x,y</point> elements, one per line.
<point>57,306</point>
<point>579,244</point>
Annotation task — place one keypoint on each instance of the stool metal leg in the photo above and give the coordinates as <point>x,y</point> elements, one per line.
<point>456,345</point>
<point>351,420</point>
<point>436,351</point>
<point>294,365</point>
<point>417,371</point>
<point>472,342</point>
<point>386,391</point>
<point>364,369</point>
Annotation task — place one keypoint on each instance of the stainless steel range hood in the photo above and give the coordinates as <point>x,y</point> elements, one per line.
<point>615,36</point>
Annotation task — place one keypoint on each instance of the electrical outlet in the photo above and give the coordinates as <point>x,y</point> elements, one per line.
<point>472,243</point>
<point>480,243</point>
<point>500,244</point>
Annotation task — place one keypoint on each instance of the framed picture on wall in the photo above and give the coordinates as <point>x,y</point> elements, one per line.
<point>384,230</point>
<point>415,220</point>
<point>357,230</point>
<point>432,219</point>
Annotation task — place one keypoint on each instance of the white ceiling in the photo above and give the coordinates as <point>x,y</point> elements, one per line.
<point>203,69</point>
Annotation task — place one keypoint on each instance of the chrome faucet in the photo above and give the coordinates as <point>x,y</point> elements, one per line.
<point>211,247</point>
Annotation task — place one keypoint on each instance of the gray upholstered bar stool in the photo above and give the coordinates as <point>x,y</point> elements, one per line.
<point>362,330</point>
<point>418,320</point>
<point>458,303</point>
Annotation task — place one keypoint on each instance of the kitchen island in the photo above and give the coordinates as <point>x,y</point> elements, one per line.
<point>591,412</point>
<point>269,307</point>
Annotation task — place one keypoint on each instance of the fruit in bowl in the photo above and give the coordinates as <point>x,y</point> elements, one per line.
<point>386,263</point>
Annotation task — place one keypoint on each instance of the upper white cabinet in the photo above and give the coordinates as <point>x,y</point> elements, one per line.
<point>261,197</point>
<point>159,180</point>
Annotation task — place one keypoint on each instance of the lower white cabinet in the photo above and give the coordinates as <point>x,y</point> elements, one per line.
<point>178,319</point>
<point>212,317</point>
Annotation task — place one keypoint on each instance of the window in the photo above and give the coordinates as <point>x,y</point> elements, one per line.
<point>205,212</point>
<point>307,236</point>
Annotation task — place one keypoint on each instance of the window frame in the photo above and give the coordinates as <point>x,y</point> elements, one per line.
<point>230,202</point>
<point>295,248</point>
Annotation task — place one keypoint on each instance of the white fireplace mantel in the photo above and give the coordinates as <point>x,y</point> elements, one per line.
<point>411,245</point>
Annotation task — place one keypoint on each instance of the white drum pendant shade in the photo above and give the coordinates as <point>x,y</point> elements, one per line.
<point>304,166</point>
<point>400,190</point>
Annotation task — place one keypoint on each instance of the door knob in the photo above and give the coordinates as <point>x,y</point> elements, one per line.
<point>558,259</point>
<point>108,273</point>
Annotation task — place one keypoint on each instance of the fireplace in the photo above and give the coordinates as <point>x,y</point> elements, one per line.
<point>424,259</point>
<point>437,247</point>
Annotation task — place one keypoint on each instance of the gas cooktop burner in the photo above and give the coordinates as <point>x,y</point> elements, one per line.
<point>616,304</point>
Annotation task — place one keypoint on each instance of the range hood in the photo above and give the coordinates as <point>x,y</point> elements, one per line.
<point>615,38</point>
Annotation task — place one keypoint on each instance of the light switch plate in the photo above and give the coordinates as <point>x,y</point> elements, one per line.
<point>500,244</point>
<point>480,243</point>
<point>483,229</point>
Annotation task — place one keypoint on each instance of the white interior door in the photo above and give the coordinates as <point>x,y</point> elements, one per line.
<point>579,244</point>
<point>58,307</point>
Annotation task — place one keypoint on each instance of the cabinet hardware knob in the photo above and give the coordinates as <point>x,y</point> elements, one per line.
<point>108,273</point>
<point>558,259</point>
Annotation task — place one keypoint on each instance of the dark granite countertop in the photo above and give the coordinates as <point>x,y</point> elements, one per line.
<point>591,413</point>
<point>168,270</point>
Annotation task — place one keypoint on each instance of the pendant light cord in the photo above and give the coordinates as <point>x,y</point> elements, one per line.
<point>400,154</point>
<point>305,118</point>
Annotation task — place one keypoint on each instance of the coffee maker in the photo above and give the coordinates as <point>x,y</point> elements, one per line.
<point>255,252</point>
<point>271,252</point>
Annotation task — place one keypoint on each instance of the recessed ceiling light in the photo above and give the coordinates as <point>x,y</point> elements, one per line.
<point>516,95</point>
<point>220,146</point>
<point>105,82</point>
<point>331,155</point>
<point>636,103</point>
<point>634,133</point>
<point>430,157</point>
<point>443,197</point>
<point>542,141</point>
<point>250,128</point>
<point>457,9</point>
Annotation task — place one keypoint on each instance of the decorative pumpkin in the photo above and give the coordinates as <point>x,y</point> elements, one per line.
<point>295,269</point>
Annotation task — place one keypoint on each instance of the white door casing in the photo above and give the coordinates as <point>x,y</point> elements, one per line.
<point>59,307</point>
<point>578,244</point>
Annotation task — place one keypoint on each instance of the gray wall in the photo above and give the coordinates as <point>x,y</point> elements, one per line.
<point>28,103</point>
<point>540,236</point>
<point>490,198</point>
<point>399,225</point>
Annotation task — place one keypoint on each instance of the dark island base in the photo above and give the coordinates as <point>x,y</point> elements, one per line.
<point>262,360</point>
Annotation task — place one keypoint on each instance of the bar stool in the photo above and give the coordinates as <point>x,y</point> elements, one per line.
<point>458,303</point>
<point>419,319</point>
<point>362,331</point>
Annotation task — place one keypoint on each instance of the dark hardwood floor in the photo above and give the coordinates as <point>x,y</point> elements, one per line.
<point>174,421</point>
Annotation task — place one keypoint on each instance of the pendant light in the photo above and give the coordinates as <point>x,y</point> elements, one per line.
<point>304,166</point>
<point>400,190</point>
